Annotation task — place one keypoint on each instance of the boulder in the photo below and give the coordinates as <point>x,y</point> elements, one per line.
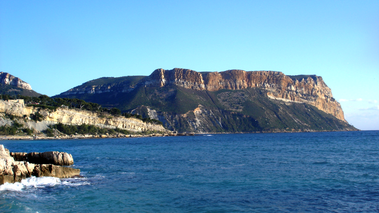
<point>56,158</point>
<point>54,171</point>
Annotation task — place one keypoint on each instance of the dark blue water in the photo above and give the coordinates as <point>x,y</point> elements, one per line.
<point>299,172</point>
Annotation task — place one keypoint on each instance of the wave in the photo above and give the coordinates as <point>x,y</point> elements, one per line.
<point>42,182</point>
<point>11,187</point>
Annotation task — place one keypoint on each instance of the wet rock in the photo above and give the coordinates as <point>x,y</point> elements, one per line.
<point>12,170</point>
<point>54,171</point>
<point>19,156</point>
<point>56,158</point>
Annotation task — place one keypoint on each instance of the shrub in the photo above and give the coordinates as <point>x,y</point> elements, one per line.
<point>8,130</point>
<point>36,116</point>
<point>27,131</point>
<point>86,129</point>
<point>17,125</point>
<point>115,111</point>
<point>49,132</point>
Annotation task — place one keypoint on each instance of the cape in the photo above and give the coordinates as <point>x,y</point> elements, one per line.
<point>230,101</point>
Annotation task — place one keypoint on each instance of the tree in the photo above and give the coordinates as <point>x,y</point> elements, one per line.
<point>44,99</point>
<point>37,116</point>
<point>115,111</point>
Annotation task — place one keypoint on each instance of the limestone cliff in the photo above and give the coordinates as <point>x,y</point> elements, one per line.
<point>71,117</point>
<point>8,79</point>
<point>305,89</point>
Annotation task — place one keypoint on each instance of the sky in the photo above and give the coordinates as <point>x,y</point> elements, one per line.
<point>57,45</point>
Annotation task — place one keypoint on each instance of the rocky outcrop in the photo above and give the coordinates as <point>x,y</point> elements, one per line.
<point>181,77</point>
<point>8,79</point>
<point>73,117</point>
<point>305,89</point>
<point>56,158</point>
<point>12,170</point>
<point>15,107</point>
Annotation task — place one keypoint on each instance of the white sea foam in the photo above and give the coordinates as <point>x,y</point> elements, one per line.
<point>11,187</point>
<point>42,182</point>
<point>75,182</point>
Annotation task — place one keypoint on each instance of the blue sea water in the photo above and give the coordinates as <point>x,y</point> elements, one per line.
<point>282,172</point>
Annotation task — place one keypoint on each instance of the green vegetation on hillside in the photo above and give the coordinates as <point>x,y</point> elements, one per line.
<point>13,91</point>
<point>83,129</point>
<point>248,110</point>
<point>14,129</point>
<point>105,81</point>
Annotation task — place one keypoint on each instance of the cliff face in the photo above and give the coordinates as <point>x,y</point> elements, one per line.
<point>230,101</point>
<point>305,89</point>
<point>73,117</point>
<point>8,79</point>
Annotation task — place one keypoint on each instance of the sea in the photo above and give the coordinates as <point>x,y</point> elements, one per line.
<point>279,172</point>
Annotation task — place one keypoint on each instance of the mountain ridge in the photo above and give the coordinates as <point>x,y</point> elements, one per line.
<point>176,97</point>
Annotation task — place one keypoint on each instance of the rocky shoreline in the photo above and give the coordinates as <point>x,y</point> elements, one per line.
<point>15,166</point>
<point>79,136</point>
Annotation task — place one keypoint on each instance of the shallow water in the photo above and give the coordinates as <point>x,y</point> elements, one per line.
<point>297,172</point>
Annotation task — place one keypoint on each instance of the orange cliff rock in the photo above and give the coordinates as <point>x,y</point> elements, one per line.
<point>310,89</point>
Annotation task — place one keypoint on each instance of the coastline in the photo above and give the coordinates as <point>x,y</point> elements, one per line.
<point>65,137</point>
<point>80,136</point>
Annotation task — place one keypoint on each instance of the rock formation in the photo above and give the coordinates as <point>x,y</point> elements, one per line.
<point>56,158</point>
<point>310,89</point>
<point>306,89</point>
<point>12,170</point>
<point>72,117</point>
<point>8,79</point>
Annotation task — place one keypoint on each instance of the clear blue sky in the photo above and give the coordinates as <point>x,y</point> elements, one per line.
<point>57,45</point>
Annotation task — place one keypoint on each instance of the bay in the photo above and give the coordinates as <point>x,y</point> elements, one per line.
<point>282,172</point>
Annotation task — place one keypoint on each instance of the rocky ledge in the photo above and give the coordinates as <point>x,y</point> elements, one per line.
<point>16,166</point>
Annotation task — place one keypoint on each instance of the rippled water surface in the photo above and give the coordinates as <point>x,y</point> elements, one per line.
<point>299,172</point>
